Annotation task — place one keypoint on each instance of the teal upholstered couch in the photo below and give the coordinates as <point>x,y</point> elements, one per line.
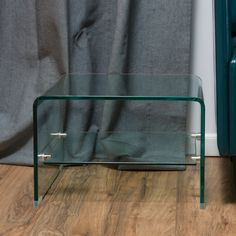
<point>225,32</point>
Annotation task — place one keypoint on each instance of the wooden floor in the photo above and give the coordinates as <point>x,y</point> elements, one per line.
<point>101,201</point>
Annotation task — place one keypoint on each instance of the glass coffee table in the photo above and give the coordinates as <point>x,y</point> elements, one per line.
<point>133,122</point>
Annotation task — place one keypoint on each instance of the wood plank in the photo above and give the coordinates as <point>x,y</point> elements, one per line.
<point>98,183</point>
<point>15,198</point>
<point>219,216</point>
<point>215,220</point>
<point>106,218</point>
<point>97,200</point>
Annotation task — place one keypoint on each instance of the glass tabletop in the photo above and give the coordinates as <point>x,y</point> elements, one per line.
<point>73,85</point>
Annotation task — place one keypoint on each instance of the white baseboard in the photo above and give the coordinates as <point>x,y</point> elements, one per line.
<point>211,148</point>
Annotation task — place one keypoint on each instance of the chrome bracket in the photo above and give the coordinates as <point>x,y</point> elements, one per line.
<point>43,157</point>
<point>197,136</point>
<point>197,139</point>
<point>196,157</point>
<point>59,135</point>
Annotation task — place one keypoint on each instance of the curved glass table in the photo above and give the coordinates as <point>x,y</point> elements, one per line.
<point>138,122</point>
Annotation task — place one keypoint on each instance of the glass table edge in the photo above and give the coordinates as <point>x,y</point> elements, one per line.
<point>39,99</point>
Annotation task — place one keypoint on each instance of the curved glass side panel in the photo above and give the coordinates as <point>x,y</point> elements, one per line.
<point>130,121</point>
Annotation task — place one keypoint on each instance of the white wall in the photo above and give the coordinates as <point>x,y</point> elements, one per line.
<point>203,65</point>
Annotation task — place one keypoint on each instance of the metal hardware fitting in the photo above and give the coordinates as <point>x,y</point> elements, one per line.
<point>59,135</point>
<point>195,157</point>
<point>197,139</point>
<point>196,135</point>
<point>44,157</point>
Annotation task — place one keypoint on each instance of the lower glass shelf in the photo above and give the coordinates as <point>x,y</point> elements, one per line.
<point>124,150</point>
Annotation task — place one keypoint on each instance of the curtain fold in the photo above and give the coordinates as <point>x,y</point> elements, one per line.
<point>42,39</point>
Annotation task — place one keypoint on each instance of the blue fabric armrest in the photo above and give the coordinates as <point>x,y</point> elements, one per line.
<point>232,102</point>
<point>233,17</point>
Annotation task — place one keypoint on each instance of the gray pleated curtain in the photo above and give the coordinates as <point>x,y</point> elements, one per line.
<point>40,40</point>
